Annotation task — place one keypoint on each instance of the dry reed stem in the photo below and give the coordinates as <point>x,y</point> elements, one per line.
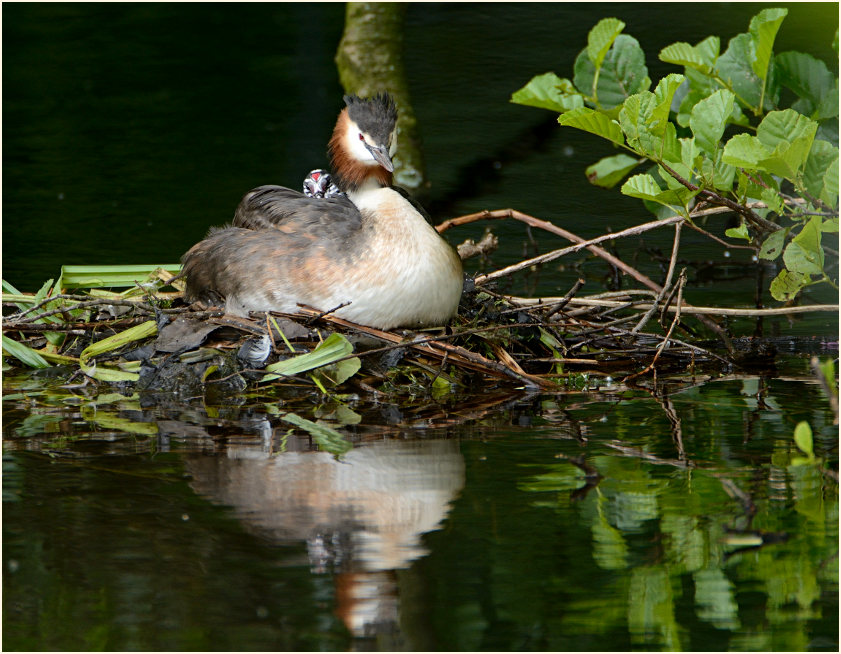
<point>685,308</point>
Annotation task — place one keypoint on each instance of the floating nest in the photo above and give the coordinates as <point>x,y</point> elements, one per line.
<point>149,339</point>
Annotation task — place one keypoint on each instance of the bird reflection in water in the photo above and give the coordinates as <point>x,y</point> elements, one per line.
<point>362,517</point>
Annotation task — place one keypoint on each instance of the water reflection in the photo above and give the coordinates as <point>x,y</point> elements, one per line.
<point>362,516</point>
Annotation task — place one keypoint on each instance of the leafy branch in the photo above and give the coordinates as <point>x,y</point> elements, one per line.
<point>694,132</point>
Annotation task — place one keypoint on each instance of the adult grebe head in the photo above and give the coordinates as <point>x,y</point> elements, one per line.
<point>363,142</point>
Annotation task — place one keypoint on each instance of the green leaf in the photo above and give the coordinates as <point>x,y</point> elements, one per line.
<point>709,118</point>
<point>644,120</point>
<point>645,187</point>
<point>744,151</point>
<point>632,120</point>
<point>340,372</point>
<point>771,198</point>
<point>827,369</point>
<point>772,246</point>
<point>818,163</point>
<point>781,145</point>
<point>735,67</point>
<point>594,122</point>
<point>738,232</point>
<point>701,57</point>
<point>23,353</point>
<point>723,173</point>
<point>334,347</point>
<point>763,28</point>
<point>803,439</point>
<point>107,420</point>
<point>609,171</point>
<point>90,368</point>
<point>689,152</point>
<point>786,285</point>
<point>784,128</point>
<point>830,185</point>
<point>642,186</point>
<point>811,80</point>
<point>828,105</point>
<point>683,54</point>
<point>326,437</point>
<point>709,50</point>
<point>209,371</point>
<point>548,91</point>
<point>337,414</point>
<point>623,73</point>
<point>550,341</point>
<point>664,93</point>
<point>601,37</point>
<point>804,254</point>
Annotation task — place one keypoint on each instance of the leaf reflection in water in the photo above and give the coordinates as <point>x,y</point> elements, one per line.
<point>362,517</point>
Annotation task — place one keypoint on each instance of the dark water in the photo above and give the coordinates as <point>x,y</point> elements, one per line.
<point>457,524</point>
<point>497,522</point>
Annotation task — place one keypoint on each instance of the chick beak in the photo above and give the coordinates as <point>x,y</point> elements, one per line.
<point>380,153</point>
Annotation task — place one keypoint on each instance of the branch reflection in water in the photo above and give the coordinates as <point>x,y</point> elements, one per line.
<point>362,516</point>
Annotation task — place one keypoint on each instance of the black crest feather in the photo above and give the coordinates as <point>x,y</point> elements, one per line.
<point>377,115</point>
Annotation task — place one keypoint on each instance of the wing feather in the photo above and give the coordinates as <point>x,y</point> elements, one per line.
<point>278,207</point>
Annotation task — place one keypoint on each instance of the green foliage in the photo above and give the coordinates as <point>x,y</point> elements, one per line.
<point>23,353</point>
<point>803,440</point>
<point>112,276</point>
<point>109,374</point>
<point>327,354</point>
<point>328,439</point>
<point>695,128</point>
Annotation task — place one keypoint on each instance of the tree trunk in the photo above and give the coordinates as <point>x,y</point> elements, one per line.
<point>370,60</point>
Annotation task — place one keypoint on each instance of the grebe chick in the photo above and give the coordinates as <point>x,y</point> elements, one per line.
<point>369,252</point>
<point>319,184</point>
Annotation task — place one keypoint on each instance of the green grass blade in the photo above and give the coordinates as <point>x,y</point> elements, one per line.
<point>112,276</point>
<point>23,353</point>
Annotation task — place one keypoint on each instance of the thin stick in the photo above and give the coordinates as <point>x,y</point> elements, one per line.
<point>501,214</point>
<point>715,198</point>
<point>571,293</point>
<point>666,285</point>
<point>688,309</point>
<point>720,241</point>
<point>556,254</point>
<point>680,284</point>
<point>85,305</point>
<point>323,313</point>
<point>46,300</point>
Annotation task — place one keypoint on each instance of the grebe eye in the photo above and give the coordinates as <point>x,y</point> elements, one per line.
<point>361,138</point>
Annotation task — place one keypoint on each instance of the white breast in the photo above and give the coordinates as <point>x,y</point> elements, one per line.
<point>409,276</point>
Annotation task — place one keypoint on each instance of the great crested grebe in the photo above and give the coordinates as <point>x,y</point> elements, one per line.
<point>367,253</point>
